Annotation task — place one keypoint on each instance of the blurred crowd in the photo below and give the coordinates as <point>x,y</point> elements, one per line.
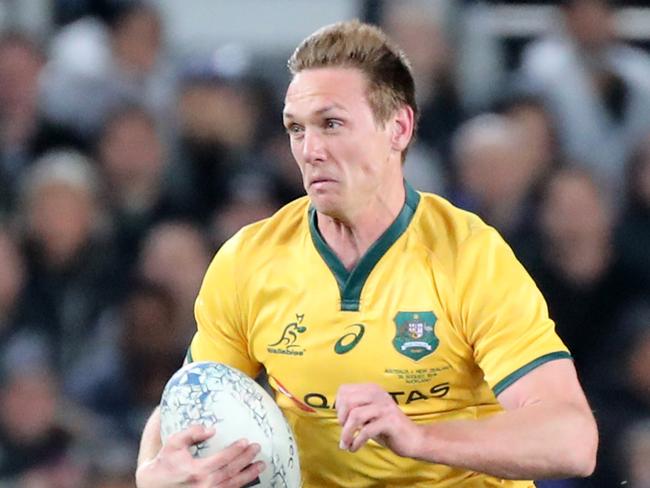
<point>123,169</point>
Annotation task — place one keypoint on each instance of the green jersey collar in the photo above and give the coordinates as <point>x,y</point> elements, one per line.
<point>351,282</point>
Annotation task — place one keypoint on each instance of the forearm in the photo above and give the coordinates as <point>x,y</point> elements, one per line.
<point>533,442</point>
<point>150,443</point>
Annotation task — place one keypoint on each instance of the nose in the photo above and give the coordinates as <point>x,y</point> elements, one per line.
<point>313,147</point>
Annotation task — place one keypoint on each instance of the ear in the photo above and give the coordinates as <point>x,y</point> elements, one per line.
<point>402,128</point>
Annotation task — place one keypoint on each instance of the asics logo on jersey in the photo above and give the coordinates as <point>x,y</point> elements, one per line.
<point>287,344</point>
<point>349,341</point>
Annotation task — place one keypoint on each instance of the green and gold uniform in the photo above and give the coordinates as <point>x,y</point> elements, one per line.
<point>438,312</point>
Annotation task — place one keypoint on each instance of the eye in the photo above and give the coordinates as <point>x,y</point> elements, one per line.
<point>294,129</point>
<point>333,123</point>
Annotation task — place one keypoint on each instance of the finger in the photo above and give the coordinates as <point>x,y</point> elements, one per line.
<point>371,430</point>
<point>352,396</point>
<point>341,403</point>
<point>194,434</point>
<point>225,456</point>
<point>228,466</point>
<point>349,397</point>
<point>245,476</point>
<point>357,418</point>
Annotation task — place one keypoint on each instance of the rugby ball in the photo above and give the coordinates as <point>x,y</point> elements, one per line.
<point>219,396</point>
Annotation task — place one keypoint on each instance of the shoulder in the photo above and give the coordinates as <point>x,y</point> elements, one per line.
<point>282,227</point>
<point>441,224</point>
<point>450,234</point>
<point>257,245</point>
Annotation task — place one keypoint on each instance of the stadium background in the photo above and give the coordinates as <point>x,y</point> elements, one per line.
<point>136,137</point>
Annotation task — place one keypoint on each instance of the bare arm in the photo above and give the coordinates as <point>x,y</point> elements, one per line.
<point>150,443</point>
<point>546,431</point>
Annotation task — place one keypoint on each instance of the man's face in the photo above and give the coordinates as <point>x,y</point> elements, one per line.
<point>573,209</point>
<point>342,153</point>
<point>132,152</point>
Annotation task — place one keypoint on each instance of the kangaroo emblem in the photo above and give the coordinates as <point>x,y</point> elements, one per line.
<point>290,333</point>
<point>287,344</point>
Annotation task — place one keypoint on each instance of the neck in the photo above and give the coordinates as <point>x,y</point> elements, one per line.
<point>350,237</point>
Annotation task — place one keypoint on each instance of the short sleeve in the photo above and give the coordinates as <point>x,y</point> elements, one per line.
<point>221,327</point>
<point>502,312</point>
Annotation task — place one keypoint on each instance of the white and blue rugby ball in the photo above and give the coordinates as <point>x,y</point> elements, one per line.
<point>219,396</point>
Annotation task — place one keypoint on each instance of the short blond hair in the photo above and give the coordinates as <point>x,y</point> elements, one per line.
<point>353,44</point>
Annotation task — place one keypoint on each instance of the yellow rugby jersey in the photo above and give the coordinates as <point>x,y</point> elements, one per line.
<point>438,312</point>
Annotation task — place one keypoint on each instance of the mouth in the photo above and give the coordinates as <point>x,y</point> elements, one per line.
<point>320,182</point>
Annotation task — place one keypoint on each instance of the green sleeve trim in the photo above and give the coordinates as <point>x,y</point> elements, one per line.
<point>514,376</point>
<point>188,356</point>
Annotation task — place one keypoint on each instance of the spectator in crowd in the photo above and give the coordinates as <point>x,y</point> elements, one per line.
<point>71,268</point>
<point>36,446</point>
<point>428,162</point>
<point>220,131</point>
<point>533,122</point>
<point>133,160</point>
<point>596,88</point>
<point>185,245</point>
<point>577,268</point>
<point>25,133</point>
<point>495,180</point>
<point>121,374</point>
<point>96,66</point>
<point>433,67</point>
